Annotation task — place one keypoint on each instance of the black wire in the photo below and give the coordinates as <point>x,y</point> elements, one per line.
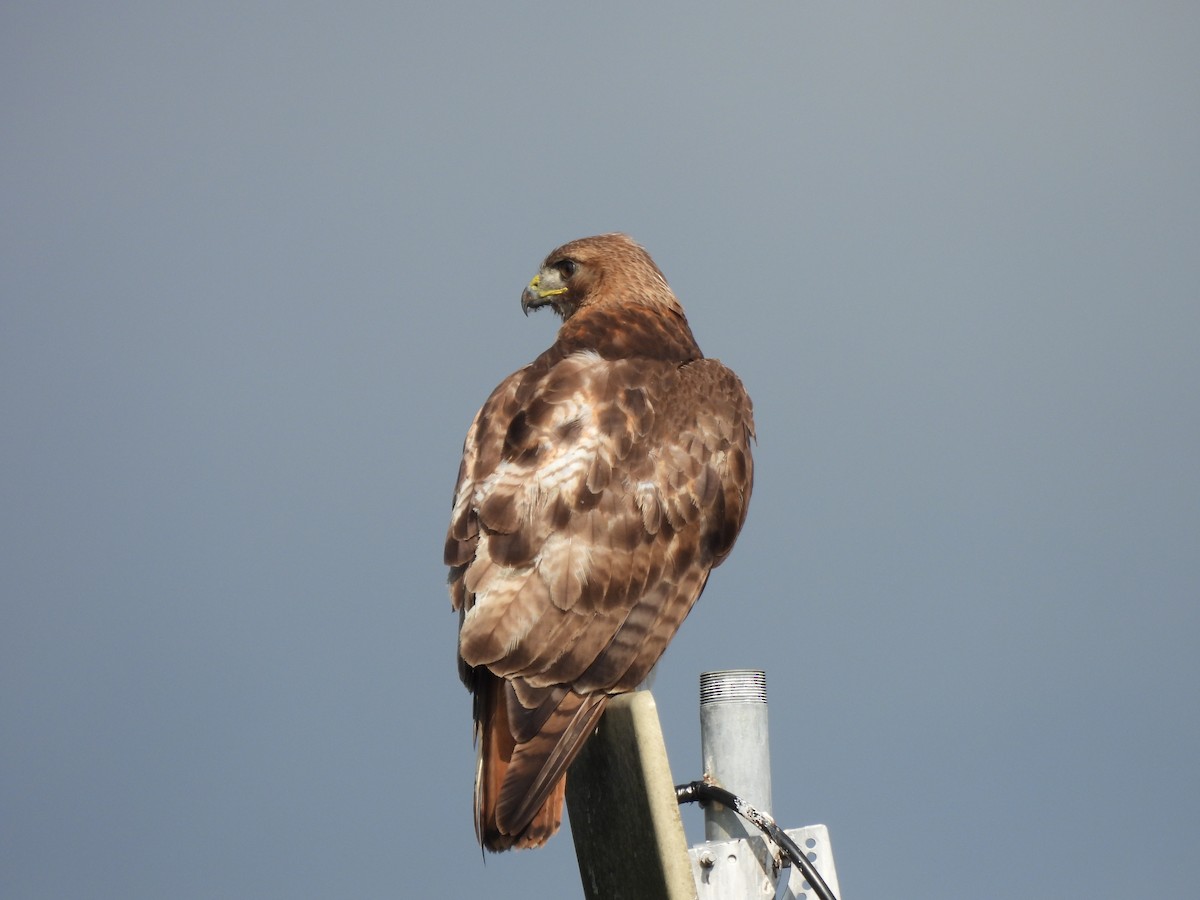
<point>703,791</point>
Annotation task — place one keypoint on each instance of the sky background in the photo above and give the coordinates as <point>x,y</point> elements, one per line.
<point>260,264</point>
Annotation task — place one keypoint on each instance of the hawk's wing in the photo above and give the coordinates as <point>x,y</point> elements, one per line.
<point>594,498</point>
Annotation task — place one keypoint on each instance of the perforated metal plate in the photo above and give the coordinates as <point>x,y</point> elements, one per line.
<point>725,870</point>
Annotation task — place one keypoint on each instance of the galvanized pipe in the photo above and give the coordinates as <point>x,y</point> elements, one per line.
<point>734,744</point>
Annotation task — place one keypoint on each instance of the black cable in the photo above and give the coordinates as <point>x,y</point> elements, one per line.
<point>703,792</point>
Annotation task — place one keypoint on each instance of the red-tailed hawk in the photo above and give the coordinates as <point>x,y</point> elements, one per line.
<point>599,486</point>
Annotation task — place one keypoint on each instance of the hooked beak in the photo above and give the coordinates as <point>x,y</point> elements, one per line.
<point>546,285</point>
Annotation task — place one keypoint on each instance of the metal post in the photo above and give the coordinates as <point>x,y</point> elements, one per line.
<point>733,741</point>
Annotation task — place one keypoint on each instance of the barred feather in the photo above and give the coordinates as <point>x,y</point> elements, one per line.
<point>598,488</point>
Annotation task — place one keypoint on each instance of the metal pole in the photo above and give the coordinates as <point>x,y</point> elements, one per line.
<point>733,741</point>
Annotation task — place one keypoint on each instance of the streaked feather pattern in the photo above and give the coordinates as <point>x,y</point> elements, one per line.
<point>598,488</point>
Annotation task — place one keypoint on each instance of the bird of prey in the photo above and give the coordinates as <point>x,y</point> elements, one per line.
<point>599,486</point>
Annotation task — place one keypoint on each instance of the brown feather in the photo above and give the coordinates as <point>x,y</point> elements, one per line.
<point>538,767</point>
<point>598,488</point>
<point>495,756</point>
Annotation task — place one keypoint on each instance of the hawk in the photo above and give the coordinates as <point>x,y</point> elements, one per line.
<point>599,486</point>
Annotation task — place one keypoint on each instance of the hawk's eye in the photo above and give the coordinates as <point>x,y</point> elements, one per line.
<point>567,267</point>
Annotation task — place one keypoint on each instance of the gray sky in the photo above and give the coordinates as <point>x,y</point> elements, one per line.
<point>259,265</point>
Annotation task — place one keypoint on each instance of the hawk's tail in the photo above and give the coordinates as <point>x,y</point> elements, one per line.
<point>524,753</point>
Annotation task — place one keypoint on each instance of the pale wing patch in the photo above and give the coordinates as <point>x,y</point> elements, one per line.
<point>565,564</point>
<point>539,497</point>
<point>649,502</point>
<point>560,470</point>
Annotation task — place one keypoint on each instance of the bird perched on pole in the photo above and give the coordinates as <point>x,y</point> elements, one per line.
<point>599,486</point>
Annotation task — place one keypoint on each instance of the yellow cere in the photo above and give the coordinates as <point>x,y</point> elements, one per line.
<point>535,286</point>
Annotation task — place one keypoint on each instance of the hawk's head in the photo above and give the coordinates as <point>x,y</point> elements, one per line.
<point>607,268</point>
